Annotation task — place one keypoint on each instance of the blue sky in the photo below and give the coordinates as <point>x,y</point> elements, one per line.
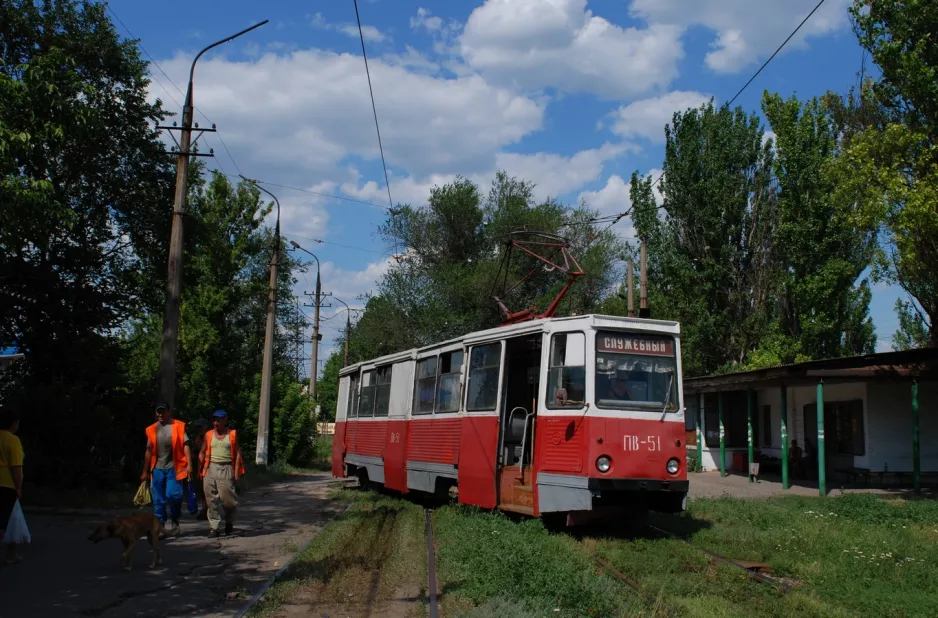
<point>569,94</point>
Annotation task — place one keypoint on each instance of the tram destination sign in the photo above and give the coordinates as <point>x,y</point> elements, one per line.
<point>630,343</point>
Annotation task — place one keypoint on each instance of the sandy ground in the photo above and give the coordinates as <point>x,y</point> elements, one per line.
<point>710,485</point>
<point>64,575</point>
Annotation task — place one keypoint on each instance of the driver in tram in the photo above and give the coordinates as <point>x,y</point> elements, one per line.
<point>618,386</point>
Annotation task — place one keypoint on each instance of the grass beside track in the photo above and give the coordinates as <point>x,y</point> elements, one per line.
<point>856,555</point>
<point>371,560</point>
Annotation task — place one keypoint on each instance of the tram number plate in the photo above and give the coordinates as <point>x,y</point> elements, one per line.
<point>637,443</point>
<point>395,437</point>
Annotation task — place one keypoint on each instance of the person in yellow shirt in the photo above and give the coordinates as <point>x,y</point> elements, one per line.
<point>11,472</point>
<point>222,466</point>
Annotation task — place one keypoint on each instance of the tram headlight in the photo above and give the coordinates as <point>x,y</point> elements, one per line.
<point>603,463</point>
<point>673,466</point>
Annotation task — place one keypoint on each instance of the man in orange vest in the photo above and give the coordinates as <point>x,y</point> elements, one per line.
<point>222,466</point>
<point>167,464</point>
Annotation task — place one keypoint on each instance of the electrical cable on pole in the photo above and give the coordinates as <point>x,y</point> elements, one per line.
<point>187,148</point>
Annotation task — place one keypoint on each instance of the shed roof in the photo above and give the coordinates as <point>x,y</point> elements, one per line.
<point>904,366</point>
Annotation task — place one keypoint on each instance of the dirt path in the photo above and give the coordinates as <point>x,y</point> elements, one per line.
<point>65,576</point>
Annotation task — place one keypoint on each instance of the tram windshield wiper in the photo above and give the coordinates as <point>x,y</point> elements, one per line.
<point>667,398</point>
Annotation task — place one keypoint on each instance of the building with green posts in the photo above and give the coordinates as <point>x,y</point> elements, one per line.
<point>879,424</point>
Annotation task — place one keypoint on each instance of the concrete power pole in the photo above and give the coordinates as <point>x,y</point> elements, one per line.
<point>174,270</point>
<point>630,283</point>
<point>263,413</point>
<point>314,353</point>
<point>643,311</point>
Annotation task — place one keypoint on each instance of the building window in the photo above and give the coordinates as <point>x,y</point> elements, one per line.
<point>425,385</point>
<point>484,364</point>
<point>566,382</point>
<point>843,427</point>
<point>735,418</point>
<point>447,390</point>
<point>767,426</point>
<point>352,411</point>
<point>382,390</point>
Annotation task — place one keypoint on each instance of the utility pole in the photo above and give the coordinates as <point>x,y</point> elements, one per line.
<point>643,311</point>
<point>630,282</point>
<point>174,269</point>
<point>314,353</point>
<point>263,414</point>
<point>348,328</point>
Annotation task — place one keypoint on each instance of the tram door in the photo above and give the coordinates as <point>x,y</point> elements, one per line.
<point>515,473</point>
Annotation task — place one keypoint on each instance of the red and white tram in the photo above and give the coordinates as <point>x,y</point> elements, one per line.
<point>577,416</point>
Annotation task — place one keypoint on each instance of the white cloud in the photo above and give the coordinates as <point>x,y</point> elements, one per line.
<point>425,20</point>
<point>768,135</point>
<point>536,44</point>
<point>746,31</point>
<point>614,198</point>
<point>306,112</point>
<point>553,175</point>
<point>369,33</point>
<point>646,118</point>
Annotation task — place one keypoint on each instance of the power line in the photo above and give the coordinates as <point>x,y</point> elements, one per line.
<point>178,89</point>
<point>785,42</point>
<point>319,193</point>
<point>328,242</point>
<point>746,85</point>
<point>373,108</point>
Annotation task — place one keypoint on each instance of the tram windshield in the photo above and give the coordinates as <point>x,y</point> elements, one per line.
<point>635,370</point>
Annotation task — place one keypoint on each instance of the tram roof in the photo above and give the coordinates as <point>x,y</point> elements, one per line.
<point>531,326</point>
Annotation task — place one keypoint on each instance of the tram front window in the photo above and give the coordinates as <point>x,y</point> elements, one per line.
<point>635,370</point>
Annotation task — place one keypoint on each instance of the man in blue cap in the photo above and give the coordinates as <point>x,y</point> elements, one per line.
<point>222,466</point>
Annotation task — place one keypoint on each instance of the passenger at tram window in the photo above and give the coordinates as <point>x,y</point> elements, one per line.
<point>566,381</point>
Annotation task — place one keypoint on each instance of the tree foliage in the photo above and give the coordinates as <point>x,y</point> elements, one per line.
<point>748,251</point>
<point>443,285</point>
<point>890,169</point>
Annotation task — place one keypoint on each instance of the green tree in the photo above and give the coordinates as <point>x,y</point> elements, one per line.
<point>328,387</point>
<point>913,329</point>
<point>707,256</point>
<point>86,189</point>
<point>443,286</point>
<point>891,169</point>
<point>816,250</point>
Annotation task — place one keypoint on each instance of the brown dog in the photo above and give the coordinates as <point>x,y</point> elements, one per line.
<point>129,530</point>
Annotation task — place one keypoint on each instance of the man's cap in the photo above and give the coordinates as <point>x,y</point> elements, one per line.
<point>162,405</point>
<point>220,414</point>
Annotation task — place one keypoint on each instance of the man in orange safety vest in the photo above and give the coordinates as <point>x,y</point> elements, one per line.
<point>222,466</point>
<point>167,464</point>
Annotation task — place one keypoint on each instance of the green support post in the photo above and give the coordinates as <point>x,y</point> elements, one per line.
<point>752,456</point>
<point>700,406</point>
<point>722,438</point>
<point>821,464</point>
<point>784,420</point>
<point>916,453</point>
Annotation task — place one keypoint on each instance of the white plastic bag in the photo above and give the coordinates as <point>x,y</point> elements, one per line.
<point>17,532</point>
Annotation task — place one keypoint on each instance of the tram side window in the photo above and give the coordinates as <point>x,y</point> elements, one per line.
<point>352,411</point>
<point>447,390</point>
<point>484,364</point>
<point>382,390</point>
<point>566,382</point>
<point>366,402</point>
<point>425,385</point>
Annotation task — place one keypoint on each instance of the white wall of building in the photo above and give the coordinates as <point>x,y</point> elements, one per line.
<point>889,431</point>
<point>887,424</point>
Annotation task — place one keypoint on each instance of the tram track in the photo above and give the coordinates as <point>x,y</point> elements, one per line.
<point>751,569</point>
<point>432,596</point>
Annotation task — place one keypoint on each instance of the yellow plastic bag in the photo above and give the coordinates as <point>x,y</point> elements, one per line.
<point>143,495</point>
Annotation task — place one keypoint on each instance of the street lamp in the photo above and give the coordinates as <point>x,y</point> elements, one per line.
<point>263,414</point>
<point>348,327</point>
<point>170,335</point>
<point>316,336</point>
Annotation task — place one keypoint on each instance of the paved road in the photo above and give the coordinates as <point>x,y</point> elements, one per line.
<point>66,576</point>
